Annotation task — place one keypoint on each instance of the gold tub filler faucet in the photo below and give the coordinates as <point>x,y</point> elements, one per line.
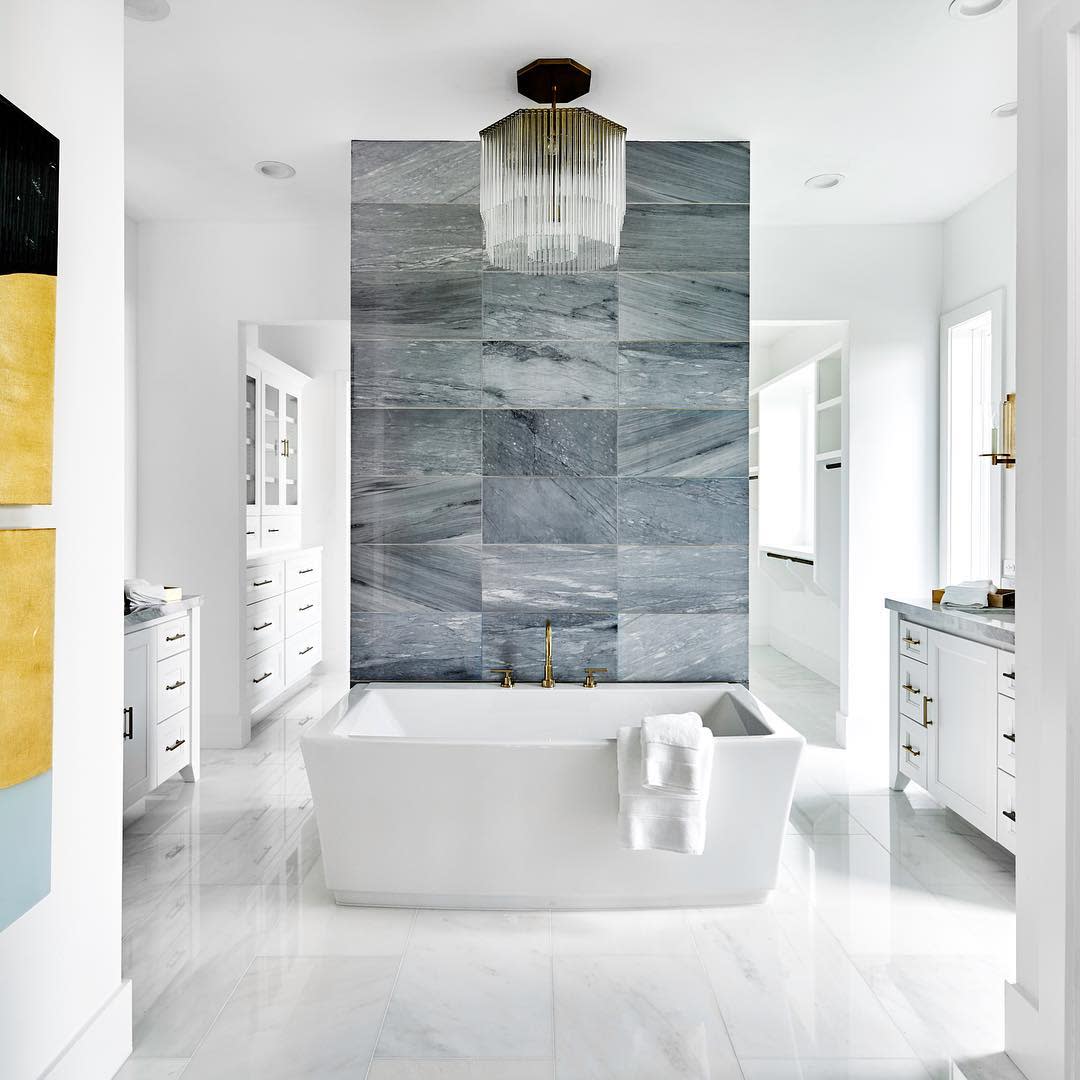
<point>549,677</point>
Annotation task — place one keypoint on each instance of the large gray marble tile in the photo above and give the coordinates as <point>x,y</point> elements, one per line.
<point>432,645</point>
<point>694,172</point>
<point>673,578</point>
<point>684,374</point>
<point>570,306</point>
<point>683,648</point>
<point>550,374</point>
<point>416,237</point>
<point>416,304</point>
<point>530,577</point>
<point>684,307</point>
<point>416,172</point>
<point>670,510</point>
<point>687,237</point>
<point>551,442</point>
<point>513,639</point>
<point>442,510</point>
<point>670,442</point>
<point>420,577</point>
<point>394,374</point>
<point>410,442</point>
<point>549,510</point>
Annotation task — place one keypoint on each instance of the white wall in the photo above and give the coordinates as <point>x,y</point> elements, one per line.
<point>62,62</point>
<point>886,282</point>
<point>197,281</point>
<point>131,397</point>
<point>321,350</point>
<point>980,257</point>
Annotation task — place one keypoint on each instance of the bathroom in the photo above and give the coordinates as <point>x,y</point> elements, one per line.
<point>424,518</point>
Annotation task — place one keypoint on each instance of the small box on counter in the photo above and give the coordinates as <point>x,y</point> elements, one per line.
<point>999,598</point>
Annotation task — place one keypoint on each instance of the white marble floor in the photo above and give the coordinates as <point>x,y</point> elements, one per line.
<point>880,957</point>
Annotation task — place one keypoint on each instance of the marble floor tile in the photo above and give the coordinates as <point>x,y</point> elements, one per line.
<point>638,1018</point>
<point>293,1017</point>
<point>152,861</point>
<point>986,1067</point>
<point>472,984</point>
<point>152,1069</point>
<point>848,1069</point>
<point>418,1069</point>
<point>621,933</point>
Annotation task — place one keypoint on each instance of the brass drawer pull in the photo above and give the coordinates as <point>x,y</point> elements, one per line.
<point>176,685</point>
<point>1010,814</point>
<point>176,745</point>
<point>926,721</point>
<point>309,570</point>
<point>268,581</point>
<point>175,637</point>
<point>911,689</point>
<point>911,750</point>
<point>264,675</point>
<point>1010,736</point>
<point>263,626</point>
<point>304,652</point>
<point>909,640</point>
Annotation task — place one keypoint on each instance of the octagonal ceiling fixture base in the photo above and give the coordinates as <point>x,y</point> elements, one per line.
<point>561,79</point>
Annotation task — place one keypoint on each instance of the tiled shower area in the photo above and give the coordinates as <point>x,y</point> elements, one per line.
<point>567,447</point>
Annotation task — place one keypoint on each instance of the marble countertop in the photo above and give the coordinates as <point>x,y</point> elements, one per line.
<point>992,626</point>
<point>144,616</point>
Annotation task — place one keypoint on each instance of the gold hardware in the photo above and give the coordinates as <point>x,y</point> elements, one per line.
<point>1007,455</point>
<point>176,745</point>
<point>909,640</point>
<point>911,689</point>
<point>911,750</point>
<point>926,721</point>
<point>507,674</point>
<point>590,682</point>
<point>264,675</point>
<point>304,652</point>
<point>548,680</point>
<point>176,685</point>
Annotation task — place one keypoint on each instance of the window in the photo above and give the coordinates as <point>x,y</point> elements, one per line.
<point>970,405</point>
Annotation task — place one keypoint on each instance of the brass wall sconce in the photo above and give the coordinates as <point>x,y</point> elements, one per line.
<point>1005,454</point>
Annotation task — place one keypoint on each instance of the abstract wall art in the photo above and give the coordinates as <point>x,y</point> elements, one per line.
<point>29,205</point>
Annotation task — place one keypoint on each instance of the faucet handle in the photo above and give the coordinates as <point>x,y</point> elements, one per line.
<point>507,674</point>
<point>590,682</point>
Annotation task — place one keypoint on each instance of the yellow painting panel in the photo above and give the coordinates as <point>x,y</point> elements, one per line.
<point>27,577</point>
<point>27,338</point>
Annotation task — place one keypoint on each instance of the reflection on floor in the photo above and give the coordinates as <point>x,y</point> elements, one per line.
<point>880,956</point>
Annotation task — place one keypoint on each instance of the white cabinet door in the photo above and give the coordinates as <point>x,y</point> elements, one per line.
<point>138,666</point>
<point>962,712</point>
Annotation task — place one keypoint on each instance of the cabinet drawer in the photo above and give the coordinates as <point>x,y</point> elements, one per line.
<point>303,608</point>
<point>303,570</point>
<point>173,685</point>
<point>173,745</point>
<point>266,579</point>
<point>265,624</point>
<point>1006,756</point>
<point>1006,673</point>
<point>913,640</point>
<point>1006,819</point>
<point>265,675</point>
<point>912,689</point>
<point>913,749</point>
<point>280,531</point>
<point>251,536</point>
<point>173,637</point>
<point>302,652</point>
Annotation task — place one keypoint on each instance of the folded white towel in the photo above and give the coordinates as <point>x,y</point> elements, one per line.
<point>674,747</point>
<point>141,593</point>
<point>968,594</point>
<point>652,822</point>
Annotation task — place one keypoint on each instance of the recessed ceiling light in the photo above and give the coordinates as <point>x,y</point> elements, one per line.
<point>147,10</point>
<point>974,9</point>
<point>1003,112</point>
<point>276,170</point>
<point>824,181</point>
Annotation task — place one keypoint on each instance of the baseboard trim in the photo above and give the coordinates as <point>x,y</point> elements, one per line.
<point>103,1044</point>
<point>1025,1042</point>
<point>841,729</point>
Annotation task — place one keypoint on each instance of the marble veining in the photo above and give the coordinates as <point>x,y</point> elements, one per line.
<point>550,442</point>
<point>549,510</point>
<point>569,306</point>
<point>550,374</point>
<point>516,639</point>
<point>992,626</point>
<point>683,648</point>
<point>407,442</point>
<point>435,646</point>
<point>399,510</point>
<point>399,374</point>
<point>142,617</point>
<point>684,307</point>
<point>567,577</point>
<point>677,578</point>
<point>415,172</point>
<point>686,237</point>
<point>684,374</point>
<point>411,237</point>
<point>416,304</point>
<point>421,577</point>
<point>673,510</point>
<point>661,442</point>
<point>687,172</point>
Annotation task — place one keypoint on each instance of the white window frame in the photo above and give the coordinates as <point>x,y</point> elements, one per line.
<point>994,303</point>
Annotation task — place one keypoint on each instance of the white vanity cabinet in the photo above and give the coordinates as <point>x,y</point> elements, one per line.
<point>953,714</point>
<point>161,697</point>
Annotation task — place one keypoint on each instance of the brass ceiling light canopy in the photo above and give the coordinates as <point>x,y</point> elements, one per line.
<point>553,181</point>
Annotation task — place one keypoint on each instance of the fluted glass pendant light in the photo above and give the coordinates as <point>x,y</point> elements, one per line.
<point>553,181</point>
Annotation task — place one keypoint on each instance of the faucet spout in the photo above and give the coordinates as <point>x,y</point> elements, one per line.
<point>549,676</point>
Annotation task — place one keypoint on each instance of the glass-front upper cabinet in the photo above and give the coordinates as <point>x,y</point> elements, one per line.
<point>291,452</point>
<point>273,445</point>
<point>251,439</point>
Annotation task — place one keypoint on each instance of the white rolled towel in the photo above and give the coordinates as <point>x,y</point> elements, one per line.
<point>674,749</point>
<point>652,822</point>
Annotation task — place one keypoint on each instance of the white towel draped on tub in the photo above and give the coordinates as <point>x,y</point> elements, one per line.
<point>675,752</point>
<point>649,821</point>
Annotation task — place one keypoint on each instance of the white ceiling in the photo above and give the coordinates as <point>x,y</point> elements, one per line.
<point>893,93</point>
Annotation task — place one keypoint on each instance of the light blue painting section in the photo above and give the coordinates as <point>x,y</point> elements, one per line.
<point>25,846</point>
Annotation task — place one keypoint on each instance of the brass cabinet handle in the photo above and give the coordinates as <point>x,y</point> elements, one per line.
<point>264,675</point>
<point>257,584</point>
<point>926,721</point>
<point>176,685</point>
<point>1010,736</point>
<point>129,721</point>
<point>304,652</point>
<point>911,750</point>
<point>307,607</point>
<point>909,640</point>
<point>309,570</point>
<point>269,622</point>
<point>911,689</point>
<point>1010,814</point>
<point>176,745</point>
<point>175,637</point>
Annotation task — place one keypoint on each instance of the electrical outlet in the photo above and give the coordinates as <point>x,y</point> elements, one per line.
<point>1008,568</point>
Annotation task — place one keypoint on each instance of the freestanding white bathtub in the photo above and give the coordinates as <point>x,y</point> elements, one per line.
<point>465,795</point>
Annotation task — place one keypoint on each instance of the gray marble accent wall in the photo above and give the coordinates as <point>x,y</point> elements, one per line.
<point>572,448</point>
